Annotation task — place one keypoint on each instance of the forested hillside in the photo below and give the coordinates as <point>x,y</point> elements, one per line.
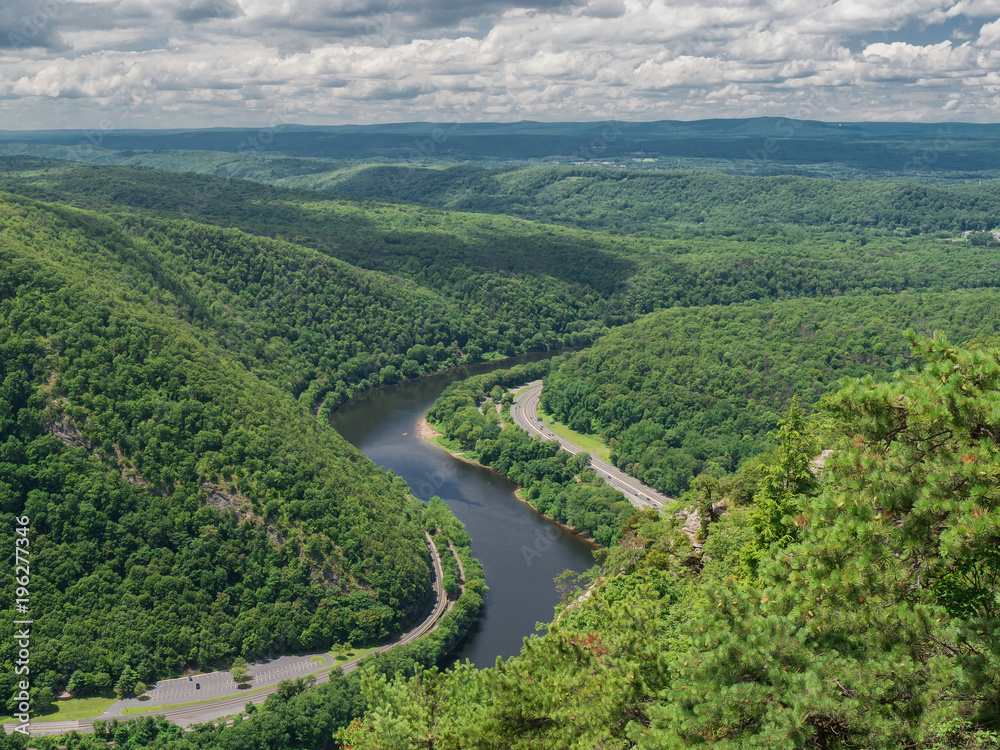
<point>532,285</point>
<point>645,203</point>
<point>170,345</point>
<point>697,390</point>
<point>184,509</point>
<point>619,201</point>
<point>320,328</point>
<point>540,286</point>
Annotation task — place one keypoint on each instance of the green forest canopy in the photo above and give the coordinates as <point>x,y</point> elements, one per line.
<point>692,390</point>
<point>183,510</point>
<point>156,342</point>
<point>530,285</point>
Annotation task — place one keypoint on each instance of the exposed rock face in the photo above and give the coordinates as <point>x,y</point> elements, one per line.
<point>817,464</point>
<point>70,435</point>
<point>325,571</point>
<point>693,524</point>
<point>695,521</point>
<point>226,498</point>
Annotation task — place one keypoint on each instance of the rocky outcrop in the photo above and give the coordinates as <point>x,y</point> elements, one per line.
<point>70,435</point>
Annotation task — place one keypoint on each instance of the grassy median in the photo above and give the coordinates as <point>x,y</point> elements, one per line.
<point>589,443</point>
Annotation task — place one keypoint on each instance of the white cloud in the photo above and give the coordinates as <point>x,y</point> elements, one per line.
<point>969,9</point>
<point>989,34</point>
<point>208,62</point>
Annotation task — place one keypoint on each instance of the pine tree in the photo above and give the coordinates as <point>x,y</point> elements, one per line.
<point>777,499</point>
<point>878,621</point>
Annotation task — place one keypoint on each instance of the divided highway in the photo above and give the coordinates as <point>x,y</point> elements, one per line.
<point>235,702</point>
<point>524,410</point>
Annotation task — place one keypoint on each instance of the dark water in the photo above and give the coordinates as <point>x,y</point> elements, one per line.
<point>520,551</point>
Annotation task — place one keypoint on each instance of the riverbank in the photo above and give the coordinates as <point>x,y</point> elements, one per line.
<point>579,533</point>
<point>426,431</point>
<point>481,364</point>
<point>383,425</point>
<point>429,433</point>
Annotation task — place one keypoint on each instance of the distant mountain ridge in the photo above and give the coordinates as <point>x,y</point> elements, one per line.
<point>765,145</point>
<point>718,126</point>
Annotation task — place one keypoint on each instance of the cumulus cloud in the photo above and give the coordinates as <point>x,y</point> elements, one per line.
<point>209,62</point>
<point>989,34</point>
<point>967,8</point>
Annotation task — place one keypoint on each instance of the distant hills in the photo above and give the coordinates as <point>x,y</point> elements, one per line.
<point>766,145</point>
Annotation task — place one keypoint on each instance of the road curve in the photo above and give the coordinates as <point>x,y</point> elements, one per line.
<point>524,410</point>
<point>235,703</point>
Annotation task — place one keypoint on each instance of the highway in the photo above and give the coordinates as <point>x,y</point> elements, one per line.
<point>524,410</point>
<point>233,703</point>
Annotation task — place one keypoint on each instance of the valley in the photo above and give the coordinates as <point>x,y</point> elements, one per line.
<point>213,365</point>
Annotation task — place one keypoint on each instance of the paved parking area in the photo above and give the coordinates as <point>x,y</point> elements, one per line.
<point>218,684</point>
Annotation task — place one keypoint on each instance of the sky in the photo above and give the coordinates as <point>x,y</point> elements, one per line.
<point>111,64</point>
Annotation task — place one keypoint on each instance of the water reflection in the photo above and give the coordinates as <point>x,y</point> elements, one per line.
<point>521,552</point>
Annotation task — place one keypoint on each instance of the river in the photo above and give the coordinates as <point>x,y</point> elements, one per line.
<point>521,552</point>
